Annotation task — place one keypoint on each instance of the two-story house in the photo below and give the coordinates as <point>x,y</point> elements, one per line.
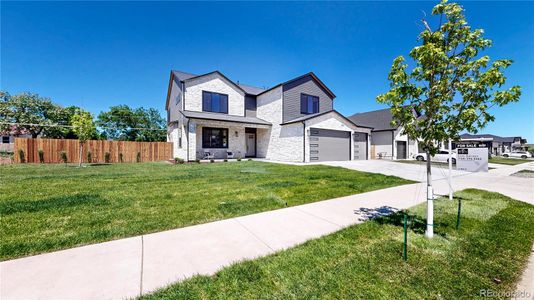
<point>295,120</point>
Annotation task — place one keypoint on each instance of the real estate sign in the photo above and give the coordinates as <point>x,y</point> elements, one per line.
<point>472,156</point>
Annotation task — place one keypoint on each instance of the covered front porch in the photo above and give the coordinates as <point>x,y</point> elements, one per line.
<point>209,139</point>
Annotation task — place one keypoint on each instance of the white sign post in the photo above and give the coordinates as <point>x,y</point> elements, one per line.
<point>472,157</point>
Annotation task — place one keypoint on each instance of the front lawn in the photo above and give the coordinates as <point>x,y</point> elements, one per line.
<point>364,261</point>
<point>50,207</point>
<point>507,161</point>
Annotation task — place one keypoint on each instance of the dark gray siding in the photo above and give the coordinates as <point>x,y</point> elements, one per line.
<point>291,98</point>
<point>250,106</point>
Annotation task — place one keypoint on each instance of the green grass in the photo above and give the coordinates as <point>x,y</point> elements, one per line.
<point>51,207</point>
<point>365,261</point>
<point>526,171</point>
<point>507,161</point>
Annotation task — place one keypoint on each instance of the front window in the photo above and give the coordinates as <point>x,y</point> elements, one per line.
<point>214,102</point>
<point>214,137</point>
<point>5,140</point>
<point>309,104</point>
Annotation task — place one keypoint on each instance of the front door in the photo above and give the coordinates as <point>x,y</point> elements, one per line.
<point>251,144</point>
<point>401,150</point>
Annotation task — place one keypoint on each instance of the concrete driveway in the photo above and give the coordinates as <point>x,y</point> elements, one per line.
<point>412,171</point>
<point>496,180</point>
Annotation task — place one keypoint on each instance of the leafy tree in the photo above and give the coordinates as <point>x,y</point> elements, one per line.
<point>84,127</point>
<point>451,87</point>
<point>25,109</point>
<point>124,123</point>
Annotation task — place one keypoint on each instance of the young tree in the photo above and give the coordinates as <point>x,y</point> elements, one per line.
<point>62,116</point>
<point>450,89</point>
<point>84,127</point>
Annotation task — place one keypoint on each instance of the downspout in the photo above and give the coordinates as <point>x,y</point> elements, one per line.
<point>304,141</point>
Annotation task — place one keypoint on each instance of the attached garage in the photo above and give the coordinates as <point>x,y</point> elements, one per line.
<point>329,145</point>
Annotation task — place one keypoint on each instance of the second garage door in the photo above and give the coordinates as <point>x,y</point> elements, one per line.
<point>329,145</point>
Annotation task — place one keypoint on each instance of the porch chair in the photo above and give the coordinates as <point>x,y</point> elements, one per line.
<point>208,155</point>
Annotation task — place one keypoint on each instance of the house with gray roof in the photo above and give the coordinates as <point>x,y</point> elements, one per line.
<point>387,141</point>
<point>499,144</point>
<point>212,116</point>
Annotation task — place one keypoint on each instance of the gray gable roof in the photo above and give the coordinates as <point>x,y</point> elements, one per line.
<point>377,119</point>
<point>251,90</point>
<point>490,136</point>
<point>182,76</point>
<point>223,117</point>
<point>311,116</point>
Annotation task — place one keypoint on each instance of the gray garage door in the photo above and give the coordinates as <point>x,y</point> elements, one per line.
<point>360,146</point>
<point>328,145</point>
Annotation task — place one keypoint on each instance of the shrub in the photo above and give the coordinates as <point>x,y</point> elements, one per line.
<point>63,156</point>
<point>41,155</point>
<point>89,157</point>
<point>107,157</point>
<point>178,160</point>
<point>197,161</point>
<point>239,159</point>
<point>250,159</point>
<point>121,158</point>
<point>212,160</point>
<point>138,157</point>
<point>225,160</point>
<point>22,157</point>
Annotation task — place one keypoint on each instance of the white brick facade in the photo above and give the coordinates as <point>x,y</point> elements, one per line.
<point>332,121</point>
<point>214,83</point>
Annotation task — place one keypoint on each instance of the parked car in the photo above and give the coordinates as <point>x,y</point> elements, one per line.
<point>441,156</point>
<point>518,154</point>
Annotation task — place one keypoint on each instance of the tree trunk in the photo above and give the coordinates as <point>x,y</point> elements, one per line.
<point>429,198</point>
<point>81,151</point>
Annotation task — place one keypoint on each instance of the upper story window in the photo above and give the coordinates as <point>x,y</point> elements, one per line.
<point>214,102</point>
<point>309,104</point>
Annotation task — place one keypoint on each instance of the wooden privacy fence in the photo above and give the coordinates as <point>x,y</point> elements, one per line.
<point>52,148</point>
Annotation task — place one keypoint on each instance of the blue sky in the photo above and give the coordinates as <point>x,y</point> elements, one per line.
<point>97,54</point>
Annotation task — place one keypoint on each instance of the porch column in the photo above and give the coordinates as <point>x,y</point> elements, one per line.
<point>192,140</point>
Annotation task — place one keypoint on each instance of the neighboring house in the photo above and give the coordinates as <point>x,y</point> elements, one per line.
<point>386,141</point>
<point>499,144</point>
<point>7,138</point>
<point>6,143</point>
<point>211,115</point>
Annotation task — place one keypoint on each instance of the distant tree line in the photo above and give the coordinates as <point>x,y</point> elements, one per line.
<point>29,113</point>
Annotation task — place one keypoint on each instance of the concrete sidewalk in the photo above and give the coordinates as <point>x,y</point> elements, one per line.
<point>138,265</point>
<point>134,266</point>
